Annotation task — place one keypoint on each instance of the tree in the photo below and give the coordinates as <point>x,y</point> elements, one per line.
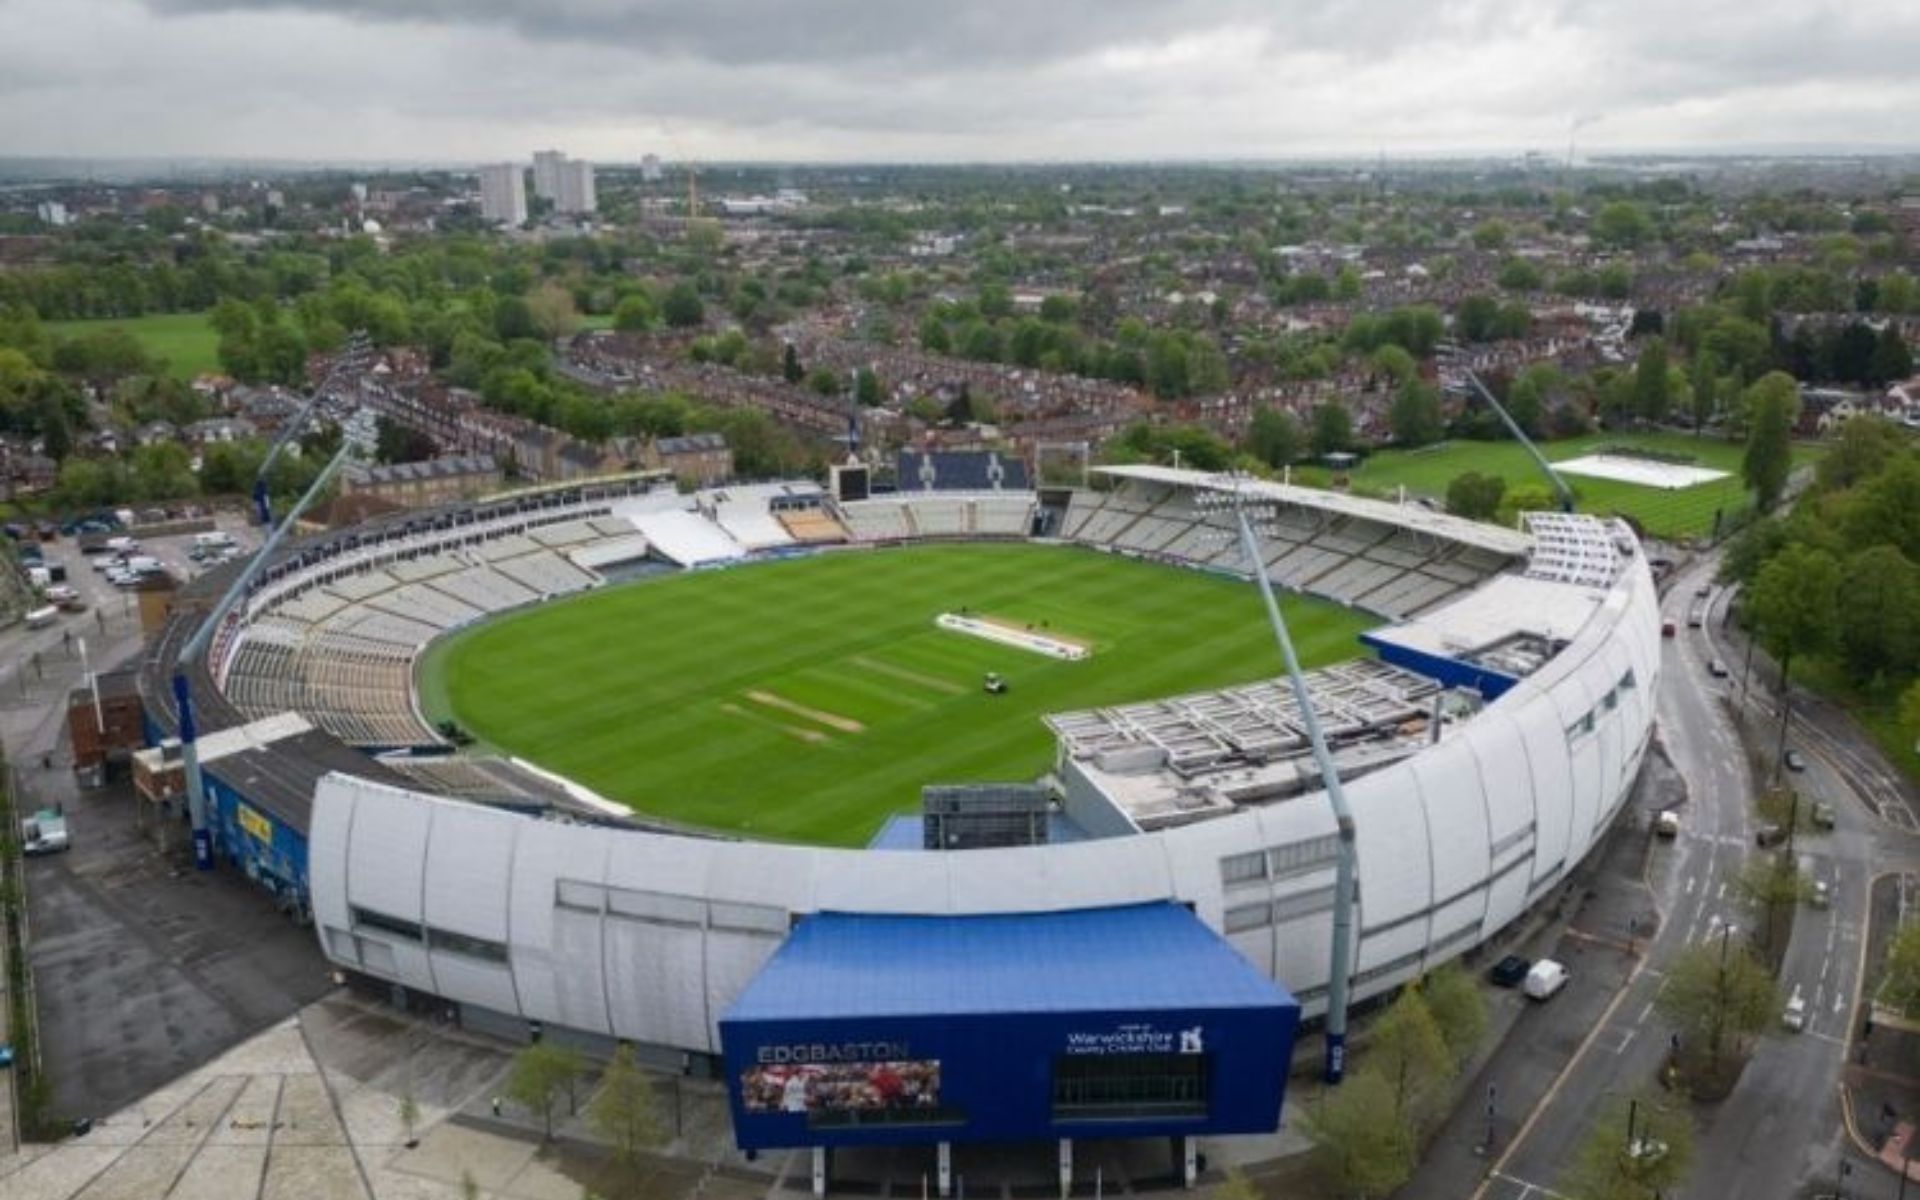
<point>1910,711</point>
<point>1772,886</point>
<point>1475,496</point>
<point>1236,1186</point>
<point>1406,1046</point>
<point>1416,419</point>
<point>1360,1146</point>
<point>1717,990</point>
<point>1892,360</point>
<point>1900,977</point>
<point>790,369</point>
<point>1652,395</point>
<point>539,1074</point>
<point>622,1110</point>
<point>1531,396</point>
<point>1490,234</point>
<point>1886,508</point>
<point>1622,225</point>
<point>867,389</point>
<point>1638,1148</point>
<point>1473,319</point>
<point>683,308</point>
<point>1863,448</point>
<point>1879,625</point>
<point>1772,405</point>
<point>1332,429</point>
<point>1459,1009</point>
<point>823,381</point>
<point>1274,437</point>
<point>634,314</point>
<point>1795,603</point>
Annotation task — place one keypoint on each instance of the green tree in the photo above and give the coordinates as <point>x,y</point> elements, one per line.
<point>1772,886</point>
<point>1900,975</point>
<point>1406,1046</point>
<point>1716,991</point>
<point>1886,508</point>
<point>1652,393</point>
<point>623,1111</point>
<point>1416,418</point>
<point>634,314</point>
<point>1910,711</point>
<point>1491,234</point>
<point>1772,406</point>
<point>1236,1186</point>
<point>1795,603</point>
<point>539,1074</point>
<point>867,389</point>
<point>1532,395</point>
<point>1473,319</point>
<point>1332,429</point>
<point>1862,450</point>
<point>1274,436</point>
<point>1459,1008</point>
<point>1622,225</point>
<point>1395,363</point>
<point>1475,496</point>
<point>1360,1145</point>
<point>683,308</point>
<point>1639,1147</point>
<point>1879,625</point>
<point>823,381</point>
<point>1892,360</point>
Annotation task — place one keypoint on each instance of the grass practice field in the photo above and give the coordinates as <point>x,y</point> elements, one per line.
<point>1684,513</point>
<point>185,340</point>
<point>808,699</point>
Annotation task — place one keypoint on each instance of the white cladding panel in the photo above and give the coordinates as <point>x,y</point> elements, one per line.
<point>388,848</point>
<point>469,861</point>
<point>556,951</point>
<point>1095,874</point>
<point>1452,792</point>
<point>1391,845</point>
<point>1502,762</point>
<point>1302,951</point>
<point>1469,911</point>
<point>1507,898</point>
<point>903,881</point>
<point>733,959</point>
<point>489,985</point>
<point>1543,739</point>
<point>327,837</point>
<point>656,979</point>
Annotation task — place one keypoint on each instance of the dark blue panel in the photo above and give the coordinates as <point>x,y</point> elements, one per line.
<point>1450,672</point>
<point>960,471</point>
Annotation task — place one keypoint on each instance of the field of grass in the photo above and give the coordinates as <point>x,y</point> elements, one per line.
<point>1684,513</point>
<point>808,699</point>
<point>185,340</point>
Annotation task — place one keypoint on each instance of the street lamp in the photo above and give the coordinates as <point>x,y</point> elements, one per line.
<point>1233,495</point>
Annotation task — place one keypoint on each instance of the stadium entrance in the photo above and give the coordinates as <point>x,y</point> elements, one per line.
<point>1131,1022</point>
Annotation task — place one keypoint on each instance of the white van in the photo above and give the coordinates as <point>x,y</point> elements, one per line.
<point>1544,979</point>
<point>219,539</point>
<point>40,618</point>
<point>122,545</point>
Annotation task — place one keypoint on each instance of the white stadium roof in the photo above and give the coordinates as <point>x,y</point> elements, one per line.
<point>1405,516</point>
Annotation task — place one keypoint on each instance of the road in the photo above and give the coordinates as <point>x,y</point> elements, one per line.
<point>1780,1132</point>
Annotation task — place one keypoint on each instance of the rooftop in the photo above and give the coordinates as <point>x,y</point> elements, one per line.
<point>1142,957</point>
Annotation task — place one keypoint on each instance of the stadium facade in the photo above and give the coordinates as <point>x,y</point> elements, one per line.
<point>1485,750</point>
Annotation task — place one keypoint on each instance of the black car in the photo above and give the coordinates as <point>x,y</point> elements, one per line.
<point>1509,971</point>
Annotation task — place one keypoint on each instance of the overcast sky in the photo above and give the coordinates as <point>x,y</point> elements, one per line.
<point>947,79</point>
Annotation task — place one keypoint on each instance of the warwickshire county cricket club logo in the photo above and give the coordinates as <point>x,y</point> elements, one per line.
<point>1192,1041</point>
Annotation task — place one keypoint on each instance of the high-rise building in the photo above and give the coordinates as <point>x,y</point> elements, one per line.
<point>575,193</point>
<point>650,170</point>
<point>503,194</point>
<point>546,173</point>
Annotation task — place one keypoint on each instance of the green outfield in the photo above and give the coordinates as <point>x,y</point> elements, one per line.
<point>1683,513</point>
<point>186,340</point>
<point>810,698</point>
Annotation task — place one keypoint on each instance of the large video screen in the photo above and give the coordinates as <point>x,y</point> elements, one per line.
<point>853,1087</point>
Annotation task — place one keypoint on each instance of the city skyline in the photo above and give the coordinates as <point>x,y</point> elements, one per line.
<point>846,80</point>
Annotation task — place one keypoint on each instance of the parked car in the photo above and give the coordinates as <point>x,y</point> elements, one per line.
<point>6,1057</point>
<point>1822,815</point>
<point>1717,669</point>
<point>1667,630</point>
<point>1821,894</point>
<point>1795,1015</point>
<point>1794,761</point>
<point>1509,971</point>
<point>1545,979</point>
<point>1666,824</point>
<point>1769,834</point>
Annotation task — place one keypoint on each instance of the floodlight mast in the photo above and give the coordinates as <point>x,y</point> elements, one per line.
<point>356,442</point>
<point>350,359</point>
<point>1341,965</point>
<point>1560,487</point>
